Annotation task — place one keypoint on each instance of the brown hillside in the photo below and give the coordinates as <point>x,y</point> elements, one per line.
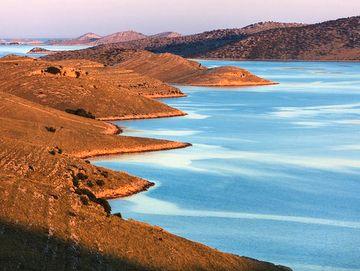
<point>82,40</point>
<point>166,67</point>
<point>332,40</point>
<point>52,217</point>
<point>175,69</point>
<point>74,85</point>
<point>120,37</point>
<point>198,44</point>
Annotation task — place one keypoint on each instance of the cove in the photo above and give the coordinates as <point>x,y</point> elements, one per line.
<point>273,173</point>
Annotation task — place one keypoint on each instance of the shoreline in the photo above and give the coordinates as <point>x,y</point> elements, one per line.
<point>144,116</point>
<point>130,190</point>
<point>255,84</point>
<point>170,145</point>
<point>165,96</point>
<point>271,60</point>
<point>109,194</point>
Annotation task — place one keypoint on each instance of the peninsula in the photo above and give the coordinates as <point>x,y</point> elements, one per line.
<point>55,200</point>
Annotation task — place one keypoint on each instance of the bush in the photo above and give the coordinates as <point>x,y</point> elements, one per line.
<point>60,151</point>
<point>100,182</point>
<point>87,192</point>
<point>89,184</point>
<point>81,176</point>
<point>50,129</point>
<point>105,174</point>
<point>80,112</point>
<point>52,152</point>
<point>84,200</point>
<point>118,215</point>
<point>103,202</point>
<point>52,70</point>
<point>75,181</point>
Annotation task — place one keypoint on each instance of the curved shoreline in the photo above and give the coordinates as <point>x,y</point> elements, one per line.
<point>170,145</point>
<point>145,116</point>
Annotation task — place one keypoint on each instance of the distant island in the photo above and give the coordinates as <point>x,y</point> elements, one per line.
<point>330,40</point>
<point>93,39</point>
<point>39,50</point>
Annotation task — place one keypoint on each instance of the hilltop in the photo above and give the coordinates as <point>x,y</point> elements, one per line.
<point>82,40</point>
<point>107,93</point>
<point>166,35</point>
<point>197,44</point>
<point>120,37</point>
<point>166,67</point>
<point>331,40</point>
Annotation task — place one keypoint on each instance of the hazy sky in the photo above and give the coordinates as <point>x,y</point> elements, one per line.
<point>70,18</point>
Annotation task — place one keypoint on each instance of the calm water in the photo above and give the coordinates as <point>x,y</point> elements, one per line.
<point>23,49</point>
<point>274,172</point>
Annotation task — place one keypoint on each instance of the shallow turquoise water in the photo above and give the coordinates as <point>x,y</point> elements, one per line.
<point>23,49</point>
<point>274,171</point>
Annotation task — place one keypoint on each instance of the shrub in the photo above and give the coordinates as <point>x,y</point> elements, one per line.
<point>100,182</point>
<point>87,192</point>
<point>52,152</point>
<point>105,204</point>
<point>80,112</point>
<point>60,151</point>
<point>75,181</point>
<point>52,70</point>
<point>84,200</point>
<point>118,215</point>
<point>90,184</point>
<point>50,129</point>
<point>105,174</point>
<point>81,176</point>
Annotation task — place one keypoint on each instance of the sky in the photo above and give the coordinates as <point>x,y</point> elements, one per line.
<point>71,18</point>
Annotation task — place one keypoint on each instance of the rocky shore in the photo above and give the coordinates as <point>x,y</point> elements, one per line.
<point>54,209</point>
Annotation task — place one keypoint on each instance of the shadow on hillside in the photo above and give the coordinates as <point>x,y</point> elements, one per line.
<point>21,249</point>
<point>196,48</point>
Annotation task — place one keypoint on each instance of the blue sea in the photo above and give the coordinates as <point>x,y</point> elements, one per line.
<point>273,173</point>
<point>23,50</point>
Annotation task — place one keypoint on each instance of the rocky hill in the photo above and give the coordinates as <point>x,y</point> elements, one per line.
<point>104,92</point>
<point>54,209</point>
<point>40,51</point>
<point>165,67</point>
<point>82,40</point>
<point>120,37</point>
<point>198,44</point>
<point>166,35</point>
<point>331,40</point>
<point>54,213</point>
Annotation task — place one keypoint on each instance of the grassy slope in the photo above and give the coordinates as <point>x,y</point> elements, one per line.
<point>46,224</point>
